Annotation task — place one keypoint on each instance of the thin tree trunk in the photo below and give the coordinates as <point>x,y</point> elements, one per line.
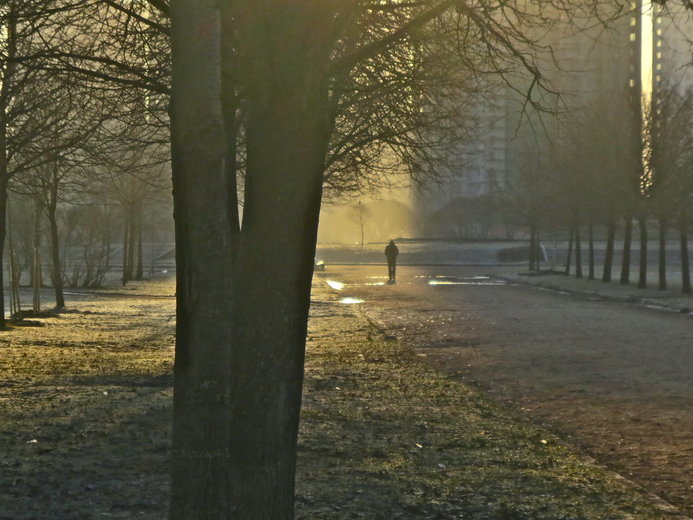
<point>36,259</point>
<point>139,271</point>
<point>569,256</point>
<point>532,248</point>
<point>15,275</point>
<point>538,253</point>
<point>3,233</point>
<point>590,232</point>
<point>642,278</point>
<point>107,241</point>
<point>609,254</point>
<point>7,83</point>
<point>685,258</point>
<point>578,252</point>
<point>662,254</point>
<point>132,243</point>
<point>56,262</point>
<point>126,247</point>
<point>627,243</point>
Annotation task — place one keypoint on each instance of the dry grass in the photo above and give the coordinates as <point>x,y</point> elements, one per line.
<point>86,408</point>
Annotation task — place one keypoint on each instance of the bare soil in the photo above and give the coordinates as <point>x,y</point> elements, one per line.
<point>85,411</point>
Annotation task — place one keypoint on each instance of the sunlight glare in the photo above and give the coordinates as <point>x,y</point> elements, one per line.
<point>337,286</point>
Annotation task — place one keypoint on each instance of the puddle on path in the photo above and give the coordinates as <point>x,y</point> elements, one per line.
<point>472,280</point>
<point>350,301</point>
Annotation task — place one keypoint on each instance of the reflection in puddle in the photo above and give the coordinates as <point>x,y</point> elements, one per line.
<point>350,300</point>
<point>657,307</point>
<point>337,286</point>
<point>455,280</point>
<point>374,283</point>
<point>477,281</point>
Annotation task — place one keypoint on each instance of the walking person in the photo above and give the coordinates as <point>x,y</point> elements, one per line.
<point>391,252</point>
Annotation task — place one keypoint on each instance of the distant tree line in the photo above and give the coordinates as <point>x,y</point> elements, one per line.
<point>84,153</point>
<point>614,169</point>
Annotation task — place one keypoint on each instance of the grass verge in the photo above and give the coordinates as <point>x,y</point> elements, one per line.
<point>384,436</point>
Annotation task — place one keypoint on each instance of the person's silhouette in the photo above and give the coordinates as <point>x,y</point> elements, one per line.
<point>391,252</point>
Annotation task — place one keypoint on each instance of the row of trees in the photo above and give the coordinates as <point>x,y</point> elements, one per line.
<point>69,141</point>
<point>273,105</point>
<point>612,166</point>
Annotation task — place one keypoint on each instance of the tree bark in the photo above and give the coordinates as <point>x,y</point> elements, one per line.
<point>240,339</point>
<point>609,254</point>
<point>627,242</point>
<point>642,278</point>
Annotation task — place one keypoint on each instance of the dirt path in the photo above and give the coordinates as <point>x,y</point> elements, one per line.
<point>614,377</point>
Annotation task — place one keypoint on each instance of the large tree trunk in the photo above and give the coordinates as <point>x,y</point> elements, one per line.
<point>609,254</point>
<point>200,487</point>
<point>642,278</point>
<point>662,254</point>
<point>243,295</point>
<point>627,240</point>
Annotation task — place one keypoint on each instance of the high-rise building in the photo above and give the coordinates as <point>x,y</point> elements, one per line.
<point>672,42</point>
<point>508,141</point>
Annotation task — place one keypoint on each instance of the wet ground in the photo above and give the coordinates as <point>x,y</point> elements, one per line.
<point>611,375</point>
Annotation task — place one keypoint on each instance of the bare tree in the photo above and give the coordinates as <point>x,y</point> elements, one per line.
<point>670,184</point>
<point>239,363</point>
<point>359,214</point>
<point>28,109</point>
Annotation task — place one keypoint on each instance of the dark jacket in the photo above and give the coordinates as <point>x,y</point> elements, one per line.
<point>391,252</point>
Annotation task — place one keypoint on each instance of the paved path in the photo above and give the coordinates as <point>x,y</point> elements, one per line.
<point>615,376</point>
